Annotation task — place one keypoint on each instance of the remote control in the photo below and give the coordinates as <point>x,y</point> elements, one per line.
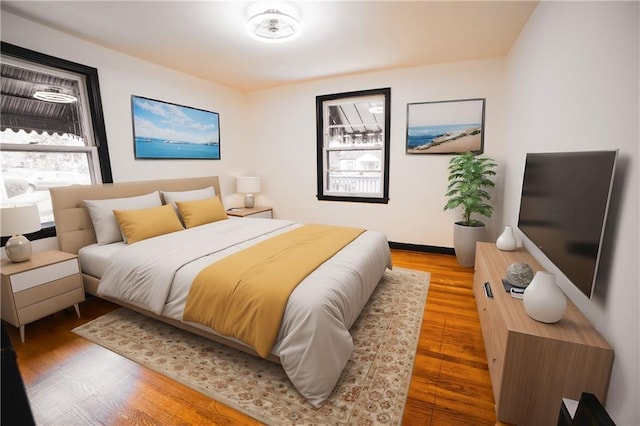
<point>487,290</point>
<point>517,293</point>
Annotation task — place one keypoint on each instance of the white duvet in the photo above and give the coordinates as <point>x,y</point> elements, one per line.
<point>314,343</point>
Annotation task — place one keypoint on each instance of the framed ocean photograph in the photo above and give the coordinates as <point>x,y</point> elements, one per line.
<point>163,130</point>
<point>446,127</point>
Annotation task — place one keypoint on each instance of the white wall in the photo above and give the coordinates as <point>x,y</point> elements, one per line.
<point>122,76</point>
<point>283,124</point>
<point>572,84</point>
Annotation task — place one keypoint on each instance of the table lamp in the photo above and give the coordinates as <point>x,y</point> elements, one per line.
<point>16,220</point>
<point>248,185</point>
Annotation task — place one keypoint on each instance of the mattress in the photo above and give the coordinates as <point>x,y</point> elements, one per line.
<point>94,258</point>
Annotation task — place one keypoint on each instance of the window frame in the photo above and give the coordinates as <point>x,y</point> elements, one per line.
<point>95,108</point>
<point>321,131</point>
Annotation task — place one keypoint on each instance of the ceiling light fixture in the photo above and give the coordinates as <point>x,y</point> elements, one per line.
<point>52,94</point>
<point>273,26</point>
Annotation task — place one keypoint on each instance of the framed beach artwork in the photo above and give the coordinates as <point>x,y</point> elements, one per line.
<point>446,127</point>
<point>163,130</point>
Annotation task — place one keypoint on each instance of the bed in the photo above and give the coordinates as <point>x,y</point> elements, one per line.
<point>313,343</point>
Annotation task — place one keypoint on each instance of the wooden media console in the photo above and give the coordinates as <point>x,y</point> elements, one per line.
<point>534,365</point>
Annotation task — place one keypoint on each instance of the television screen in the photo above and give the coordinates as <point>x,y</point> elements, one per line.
<point>563,209</point>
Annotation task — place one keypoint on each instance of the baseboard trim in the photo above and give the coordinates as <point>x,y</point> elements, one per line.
<point>421,248</point>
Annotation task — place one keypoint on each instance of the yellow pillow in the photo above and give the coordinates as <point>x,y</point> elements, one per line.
<point>138,225</point>
<point>195,213</point>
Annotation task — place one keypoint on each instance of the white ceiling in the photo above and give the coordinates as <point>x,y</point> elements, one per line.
<point>208,39</point>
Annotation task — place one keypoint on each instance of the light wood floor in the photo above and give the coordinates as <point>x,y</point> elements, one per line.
<point>77,382</point>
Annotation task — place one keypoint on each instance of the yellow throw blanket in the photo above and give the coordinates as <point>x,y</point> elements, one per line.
<point>244,295</point>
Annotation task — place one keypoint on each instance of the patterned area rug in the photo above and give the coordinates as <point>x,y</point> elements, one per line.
<point>372,389</point>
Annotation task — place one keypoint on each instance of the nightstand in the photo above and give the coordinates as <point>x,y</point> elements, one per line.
<point>47,283</point>
<point>264,212</point>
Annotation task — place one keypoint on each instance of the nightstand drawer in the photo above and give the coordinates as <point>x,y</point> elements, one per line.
<point>33,278</point>
<point>49,306</point>
<point>36,294</point>
<point>267,214</point>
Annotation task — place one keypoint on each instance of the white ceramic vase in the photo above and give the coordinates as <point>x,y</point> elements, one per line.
<point>543,299</point>
<point>507,240</point>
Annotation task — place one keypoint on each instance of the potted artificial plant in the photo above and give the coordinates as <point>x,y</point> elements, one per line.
<point>469,177</point>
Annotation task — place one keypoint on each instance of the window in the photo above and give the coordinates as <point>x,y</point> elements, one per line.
<point>353,146</point>
<point>53,138</point>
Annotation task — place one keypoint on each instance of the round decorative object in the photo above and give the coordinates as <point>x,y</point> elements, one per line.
<point>507,240</point>
<point>543,299</point>
<point>519,274</point>
<point>18,248</point>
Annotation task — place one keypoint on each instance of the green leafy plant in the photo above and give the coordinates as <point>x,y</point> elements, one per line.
<point>469,176</point>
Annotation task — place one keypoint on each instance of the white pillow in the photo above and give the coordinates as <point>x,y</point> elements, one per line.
<point>105,223</point>
<point>193,195</point>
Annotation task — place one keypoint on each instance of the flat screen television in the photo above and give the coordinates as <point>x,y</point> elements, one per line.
<point>563,209</point>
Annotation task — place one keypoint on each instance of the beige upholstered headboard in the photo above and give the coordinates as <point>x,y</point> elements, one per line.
<point>73,223</point>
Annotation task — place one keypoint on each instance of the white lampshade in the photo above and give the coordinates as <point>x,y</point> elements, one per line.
<point>19,219</point>
<point>16,220</point>
<point>248,185</point>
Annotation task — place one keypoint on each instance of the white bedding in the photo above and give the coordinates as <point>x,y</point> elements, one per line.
<point>95,257</point>
<point>314,343</point>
